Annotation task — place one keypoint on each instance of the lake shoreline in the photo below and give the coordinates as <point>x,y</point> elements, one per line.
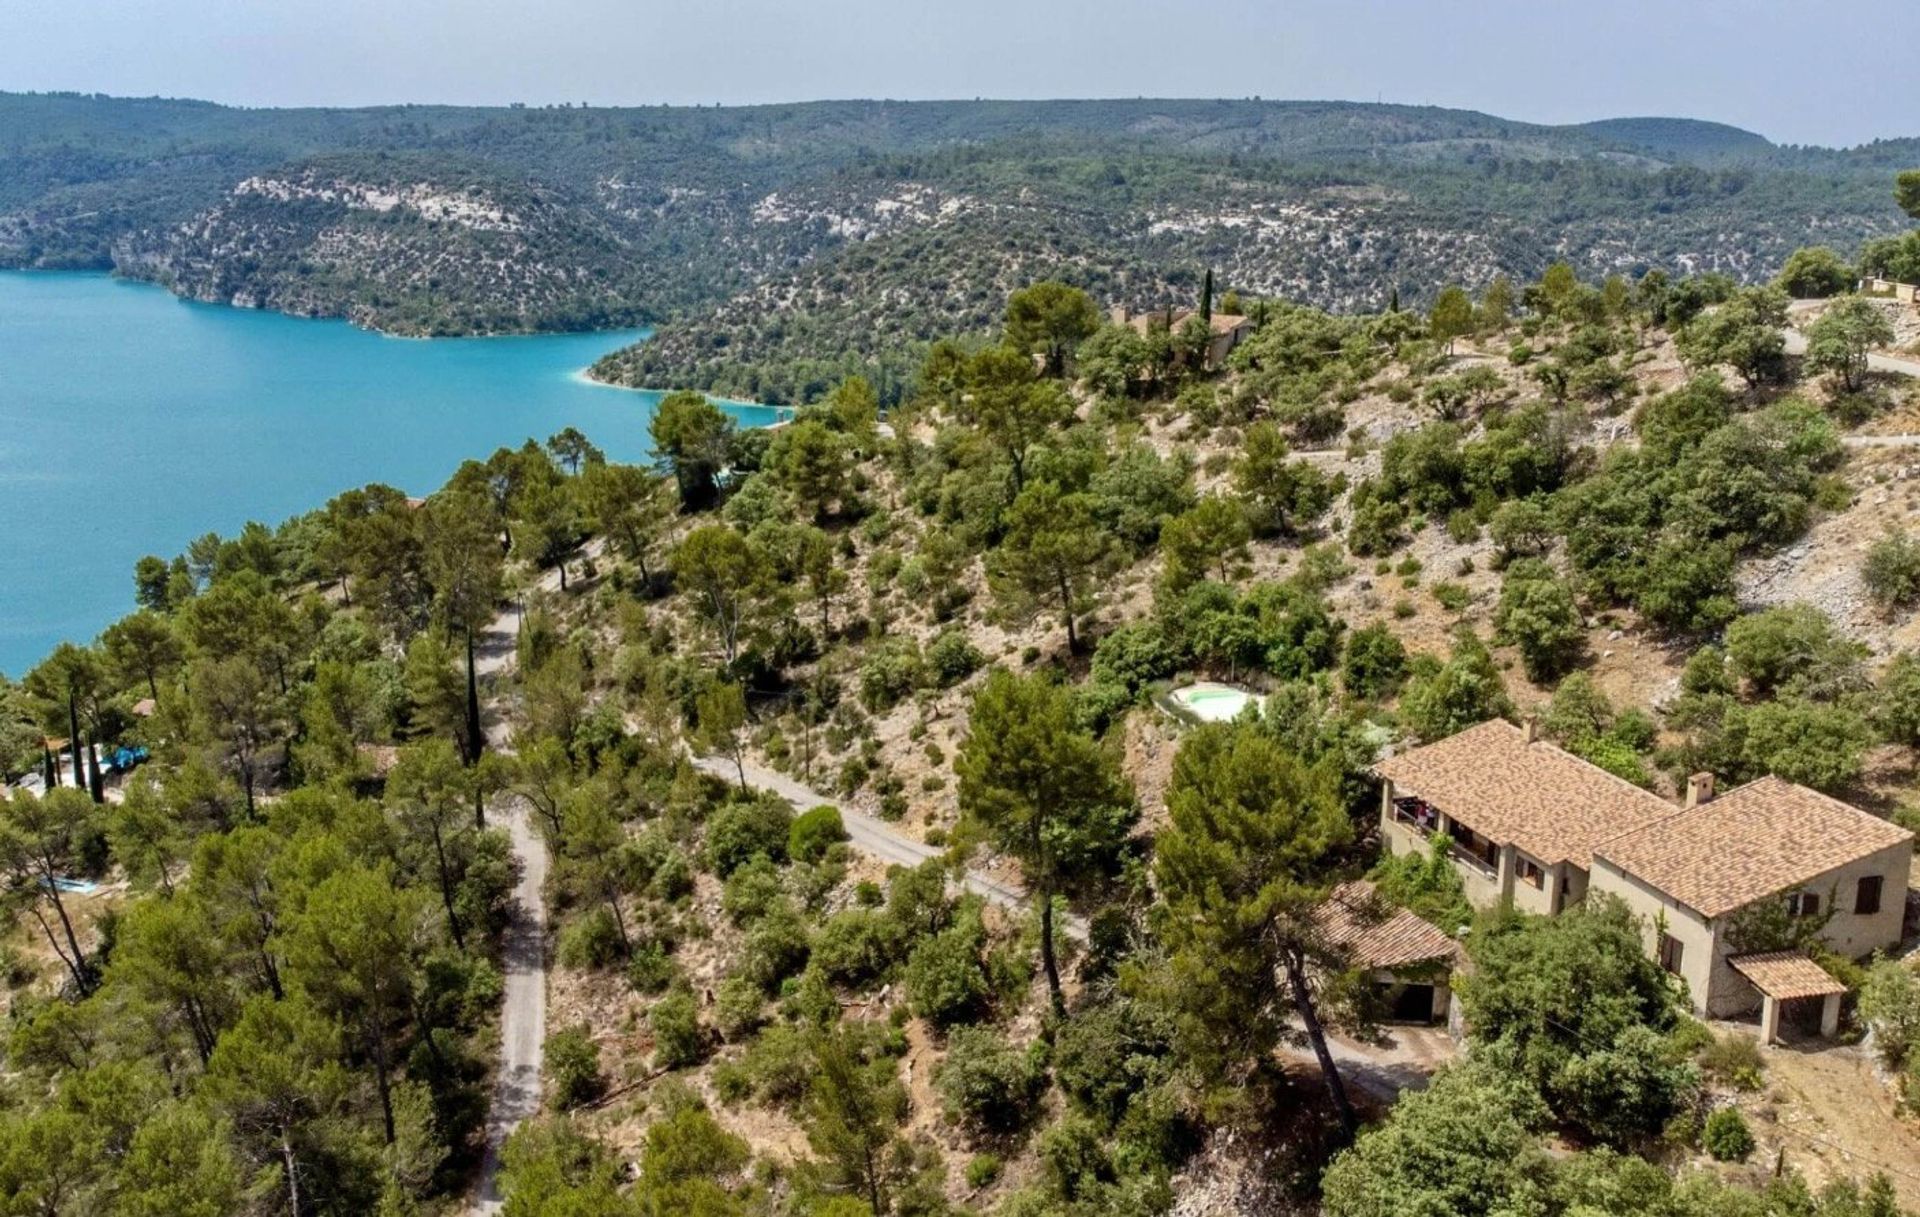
<point>136,420</point>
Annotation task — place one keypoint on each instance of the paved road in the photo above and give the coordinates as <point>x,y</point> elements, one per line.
<point>523,1013</point>
<point>523,1029</point>
<point>871,835</point>
<point>1797,345</point>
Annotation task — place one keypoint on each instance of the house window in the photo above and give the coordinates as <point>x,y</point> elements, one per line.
<point>1866,897</point>
<point>1803,904</point>
<point>1671,953</point>
<point>1530,872</point>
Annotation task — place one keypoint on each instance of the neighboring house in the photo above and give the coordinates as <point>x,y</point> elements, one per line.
<point>1538,826</point>
<point>1407,959</point>
<point>1907,293</point>
<point>1225,331</point>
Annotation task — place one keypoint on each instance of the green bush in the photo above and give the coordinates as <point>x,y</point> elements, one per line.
<point>775,949</point>
<point>1075,1160</point>
<point>892,670</point>
<point>1727,1137</point>
<point>1453,597</point>
<point>736,1008</point>
<point>987,1083</point>
<point>814,832</point>
<point>952,657</point>
<point>945,979</point>
<point>573,1062</point>
<point>983,1170</point>
<point>744,828</point>
<point>856,946</point>
<point>1892,571</point>
<point>1734,1060</point>
<point>651,969</point>
<point>1134,656</point>
<point>779,1065</point>
<point>678,1038</point>
<point>752,889</point>
<point>1375,663</point>
<point>591,940</point>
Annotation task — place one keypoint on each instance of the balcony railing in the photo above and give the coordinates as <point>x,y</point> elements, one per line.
<point>1489,867</point>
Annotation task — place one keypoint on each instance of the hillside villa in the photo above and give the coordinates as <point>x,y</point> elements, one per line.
<point>1535,825</point>
<point>1225,331</point>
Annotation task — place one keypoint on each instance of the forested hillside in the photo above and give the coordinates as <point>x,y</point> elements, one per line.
<point>259,969</point>
<point>773,242</point>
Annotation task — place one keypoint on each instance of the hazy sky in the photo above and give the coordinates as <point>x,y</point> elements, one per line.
<point>1804,71</point>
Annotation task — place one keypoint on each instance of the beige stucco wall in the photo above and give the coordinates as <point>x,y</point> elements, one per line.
<point>1659,913</point>
<point>1847,932</point>
<point>1716,989</point>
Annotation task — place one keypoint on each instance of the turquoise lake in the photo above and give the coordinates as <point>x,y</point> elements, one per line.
<point>132,422</point>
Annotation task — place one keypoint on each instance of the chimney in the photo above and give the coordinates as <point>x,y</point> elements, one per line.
<point>1530,728</point>
<point>1699,789</point>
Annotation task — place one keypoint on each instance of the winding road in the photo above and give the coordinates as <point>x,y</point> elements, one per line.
<point>1797,345</point>
<point>871,835</point>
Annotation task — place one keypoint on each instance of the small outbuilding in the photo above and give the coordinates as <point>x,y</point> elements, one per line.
<point>1407,959</point>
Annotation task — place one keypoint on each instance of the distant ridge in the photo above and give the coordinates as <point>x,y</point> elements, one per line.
<point>1683,139</point>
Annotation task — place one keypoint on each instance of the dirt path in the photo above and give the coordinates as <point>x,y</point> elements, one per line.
<point>872,835</point>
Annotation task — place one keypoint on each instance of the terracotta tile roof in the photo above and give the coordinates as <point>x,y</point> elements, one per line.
<point>1553,805</point>
<point>1377,935</point>
<point>1785,975</point>
<point>1752,842</point>
<point>1219,323</point>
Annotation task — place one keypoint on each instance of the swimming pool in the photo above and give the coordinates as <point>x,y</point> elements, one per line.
<point>1212,703</point>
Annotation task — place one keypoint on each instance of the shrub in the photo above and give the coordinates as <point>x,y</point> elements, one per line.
<point>856,945</point>
<point>1106,1057</point>
<point>1727,1137</point>
<point>988,1084</point>
<point>1521,527</point>
<point>952,657</point>
<point>892,671</point>
<point>779,1065</point>
<point>1453,597</point>
<point>1892,571</point>
<point>1375,663</point>
<point>814,832</point>
<point>744,828</point>
<point>1537,614</point>
<point>651,969</point>
<point>945,979</point>
<point>982,1171</point>
<point>1734,1060</point>
<point>1890,1004</point>
<point>1134,656</point>
<point>591,940</point>
<point>573,1062</point>
<point>678,1038</point>
<point>673,878</point>
<point>736,1008</point>
<point>1076,1163</point>
<point>752,889</point>
<point>776,948</point>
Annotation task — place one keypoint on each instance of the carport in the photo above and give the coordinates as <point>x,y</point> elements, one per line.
<point>1790,978</point>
